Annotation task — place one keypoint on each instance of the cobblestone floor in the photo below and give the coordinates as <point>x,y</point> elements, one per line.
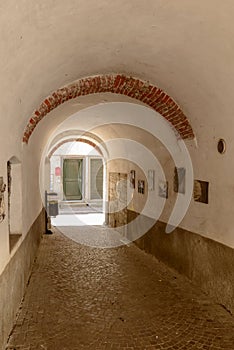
<point>91,298</point>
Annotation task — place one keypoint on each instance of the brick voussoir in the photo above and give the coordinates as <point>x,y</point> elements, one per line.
<point>143,91</point>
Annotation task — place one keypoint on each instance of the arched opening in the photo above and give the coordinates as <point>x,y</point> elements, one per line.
<point>77,175</point>
<point>143,91</point>
<point>123,138</point>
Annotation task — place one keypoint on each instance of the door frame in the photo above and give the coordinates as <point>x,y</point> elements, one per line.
<point>83,177</point>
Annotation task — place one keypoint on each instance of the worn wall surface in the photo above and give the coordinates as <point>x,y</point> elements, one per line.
<point>117,199</point>
<point>15,276</point>
<point>207,263</point>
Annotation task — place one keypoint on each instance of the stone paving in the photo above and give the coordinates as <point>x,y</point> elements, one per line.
<point>80,297</point>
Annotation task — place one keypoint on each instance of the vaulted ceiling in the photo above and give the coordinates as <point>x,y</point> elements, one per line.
<point>183,47</point>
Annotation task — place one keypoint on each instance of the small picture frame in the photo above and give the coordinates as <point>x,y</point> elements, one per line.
<point>132,179</point>
<point>201,191</point>
<point>141,186</point>
<point>179,180</point>
<point>151,180</point>
<point>163,189</point>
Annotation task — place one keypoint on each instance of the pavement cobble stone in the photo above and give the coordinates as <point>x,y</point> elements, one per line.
<point>80,297</point>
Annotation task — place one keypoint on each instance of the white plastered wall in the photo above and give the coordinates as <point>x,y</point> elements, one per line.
<point>30,202</point>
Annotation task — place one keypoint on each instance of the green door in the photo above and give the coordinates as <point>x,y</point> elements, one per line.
<point>72,179</point>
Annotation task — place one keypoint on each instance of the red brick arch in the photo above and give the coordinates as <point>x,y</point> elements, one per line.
<point>135,88</point>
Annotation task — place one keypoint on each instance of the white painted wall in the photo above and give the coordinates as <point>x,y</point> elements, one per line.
<point>31,201</point>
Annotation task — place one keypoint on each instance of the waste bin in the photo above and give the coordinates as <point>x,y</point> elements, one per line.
<point>53,208</point>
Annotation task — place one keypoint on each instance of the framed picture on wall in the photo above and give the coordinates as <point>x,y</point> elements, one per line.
<point>150,180</point>
<point>141,186</point>
<point>132,178</point>
<point>179,180</point>
<point>201,191</point>
<point>163,189</point>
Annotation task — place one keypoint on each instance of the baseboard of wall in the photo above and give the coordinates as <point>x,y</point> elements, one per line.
<point>15,276</point>
<point>208,263</point>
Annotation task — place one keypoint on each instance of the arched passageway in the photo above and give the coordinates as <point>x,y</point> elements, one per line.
<point>76,178</point>
<point>115,294</point>
<point>150,86</point>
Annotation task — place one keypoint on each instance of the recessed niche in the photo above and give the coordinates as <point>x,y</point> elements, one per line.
<point>14,184</point>
<point>2,203</point>
<point>221,146</point>
<point>201,191</point>
<point>179,180</point>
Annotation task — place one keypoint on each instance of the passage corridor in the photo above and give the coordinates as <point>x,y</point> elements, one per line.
<point>80,297</point>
